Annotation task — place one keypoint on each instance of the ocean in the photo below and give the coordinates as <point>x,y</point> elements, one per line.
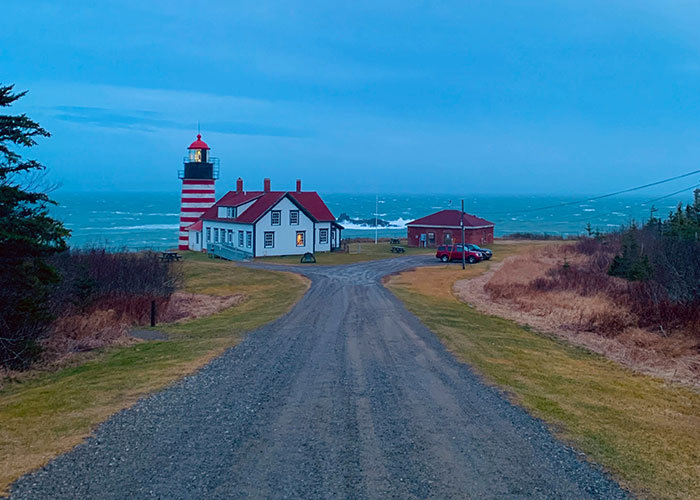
<point>150,220</point>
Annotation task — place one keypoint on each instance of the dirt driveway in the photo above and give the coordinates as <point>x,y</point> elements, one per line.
<point>347,396</point>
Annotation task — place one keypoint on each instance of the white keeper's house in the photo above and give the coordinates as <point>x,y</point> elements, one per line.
<point>266,223</point>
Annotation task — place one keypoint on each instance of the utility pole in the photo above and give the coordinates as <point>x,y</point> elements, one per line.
<point>376,219</point>
<point>464,247</point>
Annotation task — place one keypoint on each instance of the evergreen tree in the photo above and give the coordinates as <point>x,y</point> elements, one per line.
<point>28,235</point>
<point>631,264</point>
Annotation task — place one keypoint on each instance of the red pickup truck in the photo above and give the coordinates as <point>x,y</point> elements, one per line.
<point>448,253</point>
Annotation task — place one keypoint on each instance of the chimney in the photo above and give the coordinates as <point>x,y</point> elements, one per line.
<point>266,184</point>
<point>298,185</point>
<point>239,185</point>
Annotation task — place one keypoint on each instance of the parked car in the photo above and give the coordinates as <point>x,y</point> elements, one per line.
<point>448,253</point>
<point>485,252</point>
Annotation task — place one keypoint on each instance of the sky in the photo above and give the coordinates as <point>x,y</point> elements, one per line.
<point>487,97</point>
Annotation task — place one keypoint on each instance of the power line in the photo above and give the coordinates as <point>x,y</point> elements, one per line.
<point>568,203</point>
<point>597,216</point>
<point>672,194</point>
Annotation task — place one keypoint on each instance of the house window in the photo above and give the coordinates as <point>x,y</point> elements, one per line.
<point>231,212</point>
<point>323,236</point>
<point>216,234</point>
<point>294,217</point>
<point>269,239</point>
<point>431,238</point>
<point>208,234</point>
<point>196,238</point>
<point>249,239</point>
<point>230,236</point>
<point>276,217</point>
<point>240,238</point>
<point>301,238</point>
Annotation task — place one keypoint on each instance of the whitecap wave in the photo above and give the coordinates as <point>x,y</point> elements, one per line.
<point>399,223</point>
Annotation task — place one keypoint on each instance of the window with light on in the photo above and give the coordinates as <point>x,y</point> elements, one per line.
<point>300,238</point>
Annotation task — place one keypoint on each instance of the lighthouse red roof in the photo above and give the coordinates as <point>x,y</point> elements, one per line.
<point>199,143</point>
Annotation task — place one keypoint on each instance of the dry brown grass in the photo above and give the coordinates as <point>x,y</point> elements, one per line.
<point>641,428</point>
<point>591,316</point>
<point>102,327</point>
<point>45,413</point>
<point>185,306</point>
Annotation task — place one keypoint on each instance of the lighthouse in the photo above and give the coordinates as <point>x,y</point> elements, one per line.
<point>198,177</point>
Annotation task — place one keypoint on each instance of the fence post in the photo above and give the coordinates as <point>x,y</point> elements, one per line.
<point>153,313</point>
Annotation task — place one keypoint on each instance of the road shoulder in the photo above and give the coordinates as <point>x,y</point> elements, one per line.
<point>640,428</point>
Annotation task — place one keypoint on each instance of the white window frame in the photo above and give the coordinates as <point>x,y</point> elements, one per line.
<point>216,235</point>
<point>231,212</point>
<point>323,236</point>
<point>208,235</point>
<point>303,237</point>
<point>276,214</point>
<point>291,221</point>
<point>271,243</point>
<point>240,238</point>
<point>249,239</point>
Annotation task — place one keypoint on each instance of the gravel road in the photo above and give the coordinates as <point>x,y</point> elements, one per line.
<point>347,396</point>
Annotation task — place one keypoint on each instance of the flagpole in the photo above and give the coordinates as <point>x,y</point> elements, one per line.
<point>376,219</point>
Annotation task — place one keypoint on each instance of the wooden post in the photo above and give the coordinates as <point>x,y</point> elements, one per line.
<point>153,313</point>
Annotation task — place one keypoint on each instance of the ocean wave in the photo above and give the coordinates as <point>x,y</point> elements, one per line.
<point>589,209</point>
<point>399,223</point>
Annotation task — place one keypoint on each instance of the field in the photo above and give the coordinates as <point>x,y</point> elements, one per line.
<point>642,429</point>
<point>47,413</point>
<point>358,252</point>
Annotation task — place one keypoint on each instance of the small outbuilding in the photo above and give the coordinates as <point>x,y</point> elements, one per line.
<point>444,228</point>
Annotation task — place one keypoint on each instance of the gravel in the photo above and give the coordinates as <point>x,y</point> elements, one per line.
<point>347,396</point>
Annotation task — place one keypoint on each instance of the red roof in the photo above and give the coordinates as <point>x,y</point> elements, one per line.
<point>309,202</point>
<point>197,226</point>
<point>313,204</point>
<point>199,143</point>
<point>450,218</point>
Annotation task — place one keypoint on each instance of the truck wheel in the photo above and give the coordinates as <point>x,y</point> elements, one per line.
<point>471,259</point>
<point>444,258</point>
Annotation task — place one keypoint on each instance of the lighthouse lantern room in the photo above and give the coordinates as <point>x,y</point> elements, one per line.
<point>198,177</point>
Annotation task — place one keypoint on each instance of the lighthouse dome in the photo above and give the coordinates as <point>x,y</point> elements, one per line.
<point>199,143</point>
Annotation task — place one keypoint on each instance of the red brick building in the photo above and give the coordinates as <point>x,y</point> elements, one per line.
<point>443,228</point>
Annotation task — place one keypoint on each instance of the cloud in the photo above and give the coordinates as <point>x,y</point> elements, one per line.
<point>151,121</point>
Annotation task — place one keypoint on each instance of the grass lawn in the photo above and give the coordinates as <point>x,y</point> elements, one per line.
<point>359,252</point>
<point>49,413</point>
<point>643,430</point>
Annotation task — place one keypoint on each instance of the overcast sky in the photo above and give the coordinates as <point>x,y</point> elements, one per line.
<point>471,97</point>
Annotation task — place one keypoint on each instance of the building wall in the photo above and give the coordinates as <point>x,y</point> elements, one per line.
<point>482,236</point>
<point>323,247</point>
<point>285,234</point>
<point>209,234</point>
<point>195,241</point>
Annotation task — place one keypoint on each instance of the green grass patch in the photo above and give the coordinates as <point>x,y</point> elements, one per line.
<point>48,413</point>
<point>358,252</point>
<point>644,430</point>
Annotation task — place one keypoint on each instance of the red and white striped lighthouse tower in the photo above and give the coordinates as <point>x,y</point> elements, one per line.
<point>198,177</point>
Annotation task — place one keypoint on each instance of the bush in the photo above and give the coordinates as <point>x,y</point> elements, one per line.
<point>121,281</point>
